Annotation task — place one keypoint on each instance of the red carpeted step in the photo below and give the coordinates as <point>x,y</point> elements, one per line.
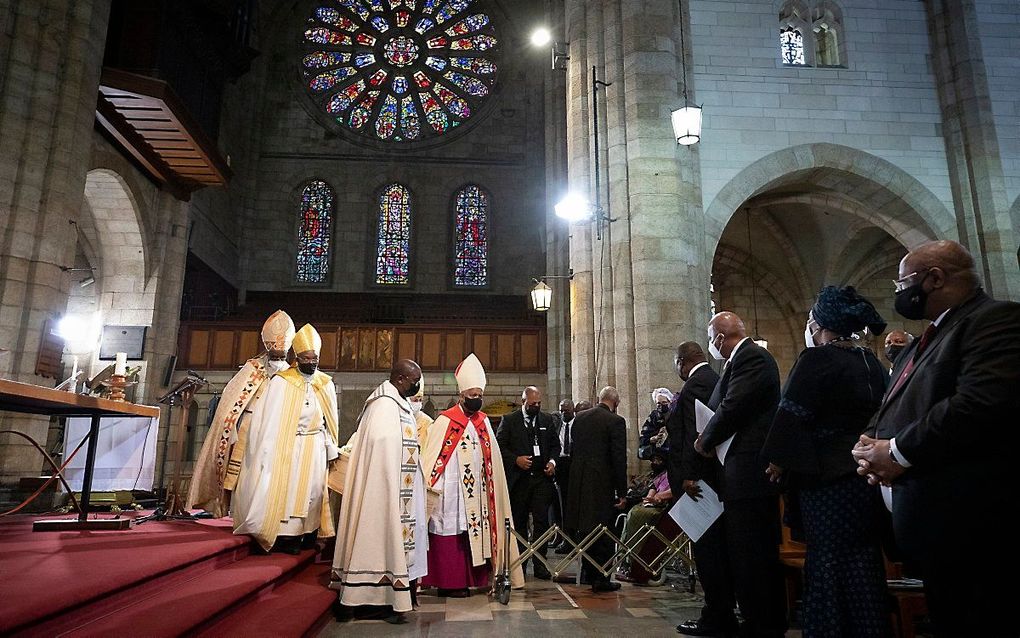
<point>196,603</point>
<point>51,578</point>
<point>298,607</point>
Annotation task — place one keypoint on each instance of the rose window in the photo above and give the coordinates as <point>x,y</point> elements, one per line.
<point>399,70</point>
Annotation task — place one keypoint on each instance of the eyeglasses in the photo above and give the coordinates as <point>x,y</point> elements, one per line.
<point>903,283</point>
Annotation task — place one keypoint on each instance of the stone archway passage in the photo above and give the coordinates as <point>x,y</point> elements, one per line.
<point>841,177</point>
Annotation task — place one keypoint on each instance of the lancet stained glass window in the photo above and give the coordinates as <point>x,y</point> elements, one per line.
<point>399,70</point>
<point>472,245</point>
<point>393,250</point>
<point>791,46</point>
<point>314,233</point>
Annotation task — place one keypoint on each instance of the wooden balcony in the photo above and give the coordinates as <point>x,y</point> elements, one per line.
<point>151,124</point>
<point>373,348</point>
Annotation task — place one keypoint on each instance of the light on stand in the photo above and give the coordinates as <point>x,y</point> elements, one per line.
<point>574,207</point>
<point>541,296</point>
<point>687,124</point>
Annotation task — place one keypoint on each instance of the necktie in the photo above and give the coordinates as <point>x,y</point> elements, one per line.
<point>921,345</point>
<point>566,438</point>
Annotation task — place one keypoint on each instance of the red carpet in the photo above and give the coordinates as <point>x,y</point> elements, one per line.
<point>157,579</point>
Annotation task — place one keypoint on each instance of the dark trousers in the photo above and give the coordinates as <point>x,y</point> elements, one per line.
<point>532,494</point>
<point>753,536</point>
<point>716,580</point>
<point>563,486</point>
<point>600,551</point>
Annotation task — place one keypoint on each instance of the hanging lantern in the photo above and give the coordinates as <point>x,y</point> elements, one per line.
<point>541,296</point>
<point>687,124</point>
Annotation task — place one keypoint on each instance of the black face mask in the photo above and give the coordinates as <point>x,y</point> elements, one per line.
<point>412,391</point>
<point>664,408</point>
<point>910,301</point>
<point>891,352</point>
<point>472,405</point>
<point>657,467</point>
<point>567,418</point>
<point>532,410</point>
<point>307,368</point>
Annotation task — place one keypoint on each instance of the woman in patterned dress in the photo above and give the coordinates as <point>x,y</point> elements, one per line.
<point>829,398</point>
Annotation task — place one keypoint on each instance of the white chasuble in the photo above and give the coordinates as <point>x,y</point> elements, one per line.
<point>282,484</point>
<point>382,537</point>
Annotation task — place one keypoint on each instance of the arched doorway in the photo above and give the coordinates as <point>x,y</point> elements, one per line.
<point>811,216</point>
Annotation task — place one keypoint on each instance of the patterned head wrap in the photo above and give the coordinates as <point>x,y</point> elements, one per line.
<point>843,311</point>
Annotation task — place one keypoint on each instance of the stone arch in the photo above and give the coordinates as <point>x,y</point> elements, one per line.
<point>121,248</point>
<point>843,178</point>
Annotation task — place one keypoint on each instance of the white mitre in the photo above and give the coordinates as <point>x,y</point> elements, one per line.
<point>278,331</point>
<point>470,374</point>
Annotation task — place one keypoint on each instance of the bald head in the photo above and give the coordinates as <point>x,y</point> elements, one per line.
<point>945,271</point>
<point>405,376</point>
<point>567,409</point>
<point>610,397</point>
<point>688,355</point>
<point>898,338</point>
<point>726,330</point>
<point>582,405</point>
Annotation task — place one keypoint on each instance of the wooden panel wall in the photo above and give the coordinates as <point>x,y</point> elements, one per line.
<point>221,346</point>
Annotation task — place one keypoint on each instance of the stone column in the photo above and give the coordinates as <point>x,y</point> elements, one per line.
<point>53,52</point>
<point>972,145</point>
<point>657,267</point>
<point>557,230</point>
<point>582,324</point>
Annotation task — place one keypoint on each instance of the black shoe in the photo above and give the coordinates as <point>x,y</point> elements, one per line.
<point>542,574</point>
<point>308,540</point>
<point>697,628</point>
<point>342,613</point>
<point>605,586</point>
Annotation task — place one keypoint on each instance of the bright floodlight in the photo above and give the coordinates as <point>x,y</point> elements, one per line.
<point>72,327</point>
<point>573,208</point>
<point>687,124</point>
<point>541,37</point>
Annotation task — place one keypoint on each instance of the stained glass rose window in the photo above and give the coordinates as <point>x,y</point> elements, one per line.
<point>399,70</point>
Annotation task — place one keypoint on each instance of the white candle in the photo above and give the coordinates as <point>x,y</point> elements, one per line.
<point>121,367</point>
<point>74,374</point>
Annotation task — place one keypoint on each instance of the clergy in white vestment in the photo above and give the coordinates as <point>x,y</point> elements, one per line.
<point>282,490</point>
<point>468,498</point>
<point>219,462</point>
<point>381,538</point>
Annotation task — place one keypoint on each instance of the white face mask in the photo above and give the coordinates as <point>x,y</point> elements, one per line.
<point>716,354</point>
<point>809,339</point>
<point>415,407</point>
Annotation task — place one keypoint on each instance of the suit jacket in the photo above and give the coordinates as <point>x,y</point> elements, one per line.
<point>598,469</point>
<point>684,463</point>
<point>955,420</point>
<point>515,440</point>
<point>745,401</point>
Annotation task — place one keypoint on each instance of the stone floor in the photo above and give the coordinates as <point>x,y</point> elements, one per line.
<point>560,610</point>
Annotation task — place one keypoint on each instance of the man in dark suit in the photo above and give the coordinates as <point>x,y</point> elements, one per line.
<point>565,423</point>
<point>685,467</point>
<point>946,438</point>
<point>598,479</point>
<point>530,446</point>
<point>745,401</point>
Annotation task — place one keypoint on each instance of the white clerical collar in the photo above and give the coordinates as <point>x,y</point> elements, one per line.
<point>941,317</point>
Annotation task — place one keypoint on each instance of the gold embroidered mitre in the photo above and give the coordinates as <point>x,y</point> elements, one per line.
<point>421,389</point>
<point>278,331</point>
<point>307,339</point>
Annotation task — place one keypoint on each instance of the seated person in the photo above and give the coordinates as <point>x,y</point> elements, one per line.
<point>655,502</point>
